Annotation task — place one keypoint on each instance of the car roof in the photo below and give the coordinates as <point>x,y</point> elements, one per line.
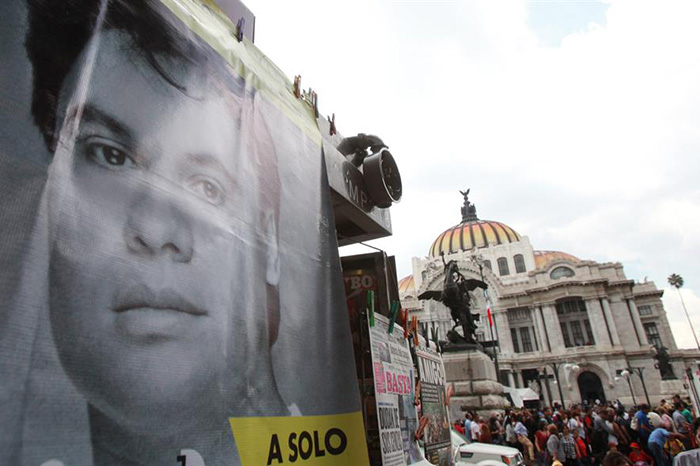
<point>477,447</point>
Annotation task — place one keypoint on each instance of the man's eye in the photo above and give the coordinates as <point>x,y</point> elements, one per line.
<point>209,190</point>
<point>109,156</point>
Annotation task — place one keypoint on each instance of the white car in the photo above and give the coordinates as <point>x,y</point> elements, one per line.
<point>483,454</point>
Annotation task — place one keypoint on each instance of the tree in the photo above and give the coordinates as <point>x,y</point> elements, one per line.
<point>676,281</point>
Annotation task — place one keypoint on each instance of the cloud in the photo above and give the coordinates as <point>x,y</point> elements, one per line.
<point>590,147</point>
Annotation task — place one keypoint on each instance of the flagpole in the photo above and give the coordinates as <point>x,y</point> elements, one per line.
<point>479,262</point>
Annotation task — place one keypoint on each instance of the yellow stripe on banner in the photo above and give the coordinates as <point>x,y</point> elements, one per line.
<point>308,440</point>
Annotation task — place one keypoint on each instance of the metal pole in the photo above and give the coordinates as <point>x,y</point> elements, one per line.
<point>555,366</point>
<point>549,390</point>
<point>634,399</point>
<point>688,317</point>
<point>493,341</point>
<point>639,371</point>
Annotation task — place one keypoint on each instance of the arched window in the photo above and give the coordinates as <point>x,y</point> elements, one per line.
<point>503,266</point>
<point>487,264</point>
<point>519,263</point>
<point>561,272</point>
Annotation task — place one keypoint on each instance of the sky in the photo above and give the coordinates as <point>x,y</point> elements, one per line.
<point>577,123</point>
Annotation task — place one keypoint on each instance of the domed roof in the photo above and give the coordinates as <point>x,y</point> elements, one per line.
<point>544,258</point>
<point>407,285</point>
<point>473,233</point>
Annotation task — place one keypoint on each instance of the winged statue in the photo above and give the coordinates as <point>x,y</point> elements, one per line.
<point>455,295</point>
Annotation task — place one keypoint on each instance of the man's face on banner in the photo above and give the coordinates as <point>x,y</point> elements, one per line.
<point>152,273</point>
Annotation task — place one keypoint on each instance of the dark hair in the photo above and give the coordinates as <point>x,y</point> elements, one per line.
<point>615,458</point>
<point>59,31</point>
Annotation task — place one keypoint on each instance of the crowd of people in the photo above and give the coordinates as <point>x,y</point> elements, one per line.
<point>591,435</point>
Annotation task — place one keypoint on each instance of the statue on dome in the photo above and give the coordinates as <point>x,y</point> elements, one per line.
<point>468,209</point>
<point>455,295</point>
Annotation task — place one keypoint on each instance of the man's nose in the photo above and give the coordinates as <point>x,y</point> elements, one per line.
<point>157,226</point>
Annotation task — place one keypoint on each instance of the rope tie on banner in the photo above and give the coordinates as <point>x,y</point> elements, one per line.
<point>370,307</point>
<point>333,129</point>
<point>393,314</point>
<point>414,330</point>
<point>297,86</point>
<point>239,29</point>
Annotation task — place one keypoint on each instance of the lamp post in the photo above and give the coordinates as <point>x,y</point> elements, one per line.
<point>555,367</point>
<point>640,371</point>
<point>543,373</point>
<point>626,375</point>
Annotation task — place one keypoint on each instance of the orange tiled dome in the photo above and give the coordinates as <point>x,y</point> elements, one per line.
<point>543,258</point>
<point>473,233</point>
<point>407,285</point>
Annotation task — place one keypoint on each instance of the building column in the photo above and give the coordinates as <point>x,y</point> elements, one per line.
<point>611,321</point>
<point>511,379</point>
<point>521,383</point>
<point>637,323</point>
<point>538,329</point>
<point>597,320</point>
<point>551,323</point>
<point>503,330</point>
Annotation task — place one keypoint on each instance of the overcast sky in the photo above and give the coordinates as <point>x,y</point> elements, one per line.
<point>577,123</point>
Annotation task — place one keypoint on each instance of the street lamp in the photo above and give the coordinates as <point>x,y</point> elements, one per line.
<point>626,375</point>
<point>555,367</point>
<point>640,373</point>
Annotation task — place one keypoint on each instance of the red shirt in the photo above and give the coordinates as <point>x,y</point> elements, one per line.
<point>639,455</point>
<point>581,449</point>
<point>541,439</point>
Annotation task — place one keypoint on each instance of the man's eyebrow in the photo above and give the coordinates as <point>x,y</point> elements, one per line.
<point>93,114</point>
<point>208,160</point>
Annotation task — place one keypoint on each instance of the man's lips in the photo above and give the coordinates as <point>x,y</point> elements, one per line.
<point>141,297</point>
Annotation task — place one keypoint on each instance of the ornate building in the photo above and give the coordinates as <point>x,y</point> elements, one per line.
<point>568,327</point>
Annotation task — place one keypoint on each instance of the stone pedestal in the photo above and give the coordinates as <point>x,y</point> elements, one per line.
<point>476,388</point>
<point>670,388</point>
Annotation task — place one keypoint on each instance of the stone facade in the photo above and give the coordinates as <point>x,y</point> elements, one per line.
<point>554,311</point>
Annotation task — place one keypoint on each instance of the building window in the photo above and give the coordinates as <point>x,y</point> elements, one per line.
<point>487,264</point>
<point>525,339</point>
<point>503,266</point>
<point>653,334</point>
<point>561,272</point>
<point>519,263</point>
<point>575,326</point>
<point>565,334</point>
<point>514,337</point>
<point>645,310</point>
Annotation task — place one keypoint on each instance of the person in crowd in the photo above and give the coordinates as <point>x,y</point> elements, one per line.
<point>569,445</point>
<point>468,425</point>
<point>582,453</point>
<point>555,449</point>
<point>511,438</point>
<point>541,437</point>
<point>666,420</point>
<point>645,427</point>
<point>496,429</point>
<point>484,431</point>
<point>475,428</point>
<point>681,425</point>
<point>459,427</point>
<point>656,443</point>
<point>522,436</point>
<point>637,454</point>
<point>615,458</point>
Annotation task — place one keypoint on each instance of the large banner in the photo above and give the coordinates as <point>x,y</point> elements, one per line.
<point>431,371</point>
<point>170,289</point>
<point>395,394</point>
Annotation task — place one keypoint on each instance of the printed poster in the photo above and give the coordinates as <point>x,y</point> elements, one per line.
<point>438,446</point>
<point>170,290</point>
<point>394,389</point>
